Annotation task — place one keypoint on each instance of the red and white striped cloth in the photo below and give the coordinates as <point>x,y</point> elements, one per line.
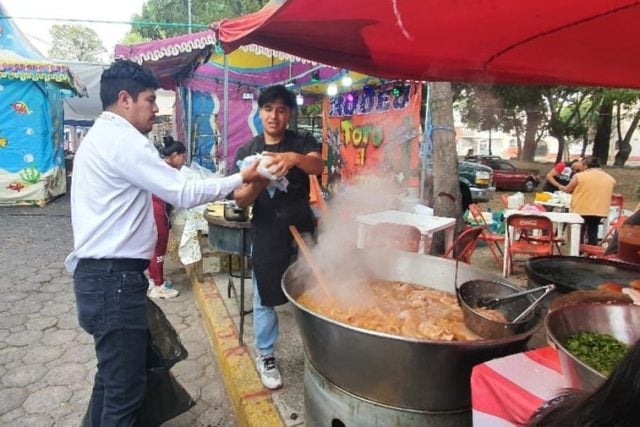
<point>507,391</point>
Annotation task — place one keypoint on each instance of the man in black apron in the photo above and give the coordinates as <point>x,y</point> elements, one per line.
<point>295,157</point>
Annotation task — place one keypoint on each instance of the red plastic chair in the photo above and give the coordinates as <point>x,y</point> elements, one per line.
<point>464,245</point>
<point>532,229</point>
<point>395,236</point>
<point>597,251</point>
<point>492,239</point>
<point>617,200</point>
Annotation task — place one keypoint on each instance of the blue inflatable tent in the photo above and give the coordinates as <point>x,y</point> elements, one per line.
<point>32,169</point>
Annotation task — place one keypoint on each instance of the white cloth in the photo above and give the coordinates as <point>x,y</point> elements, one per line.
<point>189,250</point>
<point>115,172</point>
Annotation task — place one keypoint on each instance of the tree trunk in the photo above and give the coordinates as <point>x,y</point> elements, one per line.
<point>530,142</point>
<point>603,132</point>
<point>561,145</point>
<point>585,142</point>
<point>446,187</point>
<point>625,144</point>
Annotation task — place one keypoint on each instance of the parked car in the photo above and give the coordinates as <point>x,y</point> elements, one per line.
<point>476,183</point>
<point>507,176</point>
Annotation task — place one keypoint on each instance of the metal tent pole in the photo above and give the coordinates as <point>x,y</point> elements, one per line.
<point>189,124</point>
<point>225,112</point>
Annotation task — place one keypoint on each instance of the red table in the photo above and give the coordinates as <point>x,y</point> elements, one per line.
<point>507,391</point>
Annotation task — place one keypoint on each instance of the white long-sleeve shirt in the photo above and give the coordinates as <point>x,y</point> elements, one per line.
<point>116,169</point>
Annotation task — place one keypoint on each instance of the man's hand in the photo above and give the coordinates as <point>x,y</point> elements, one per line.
<point>281,163</point>
<point>251,174</point>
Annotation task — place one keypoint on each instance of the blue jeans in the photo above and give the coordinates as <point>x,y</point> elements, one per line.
<point>265,324</point>
<point>112,306</point>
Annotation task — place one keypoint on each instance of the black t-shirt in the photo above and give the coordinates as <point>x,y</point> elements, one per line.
<point>298,188</point>
<point>273,249</point>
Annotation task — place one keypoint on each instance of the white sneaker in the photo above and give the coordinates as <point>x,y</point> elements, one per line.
<point>165,291</point>
<point>269,373</point>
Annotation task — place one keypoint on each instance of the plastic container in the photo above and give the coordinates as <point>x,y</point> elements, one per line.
<point>515,201</point>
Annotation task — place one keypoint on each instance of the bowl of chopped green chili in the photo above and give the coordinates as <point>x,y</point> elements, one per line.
<point>591,340</point>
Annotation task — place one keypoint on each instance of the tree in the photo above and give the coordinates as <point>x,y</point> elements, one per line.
<point>204,12</point>
<point>446,187</point>
<point>508,108</point>
<point>75,43</point>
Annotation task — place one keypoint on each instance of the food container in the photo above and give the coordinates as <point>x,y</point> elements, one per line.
<point>234,213</point>
<point>471,293</point>
<point>621,321</point>
<point>391,370</point>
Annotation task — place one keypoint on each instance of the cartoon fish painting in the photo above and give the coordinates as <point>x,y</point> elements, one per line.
<point>4,142</point>
<point>15,186</point>
<point>21,107</point>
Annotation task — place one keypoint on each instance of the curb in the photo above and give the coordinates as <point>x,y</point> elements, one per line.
<point>252,403</point>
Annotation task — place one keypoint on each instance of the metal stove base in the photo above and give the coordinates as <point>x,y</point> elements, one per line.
<point>327,405</point>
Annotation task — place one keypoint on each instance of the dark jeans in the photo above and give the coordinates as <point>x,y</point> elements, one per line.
<point>112,306</point>
<point>589,233</point>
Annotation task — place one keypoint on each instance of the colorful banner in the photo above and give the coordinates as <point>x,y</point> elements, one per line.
<point>373,133</point>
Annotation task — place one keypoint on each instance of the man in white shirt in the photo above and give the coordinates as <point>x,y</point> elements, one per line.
<point>116,170</point>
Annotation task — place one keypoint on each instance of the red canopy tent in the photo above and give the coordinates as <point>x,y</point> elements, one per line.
<point>573,42</point>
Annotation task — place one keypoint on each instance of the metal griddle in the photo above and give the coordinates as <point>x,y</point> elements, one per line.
<point>570,273</point>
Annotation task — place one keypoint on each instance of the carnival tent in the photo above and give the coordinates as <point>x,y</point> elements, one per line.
<point>216,107</point>
<point>569,42</point>
<point>32,168</point>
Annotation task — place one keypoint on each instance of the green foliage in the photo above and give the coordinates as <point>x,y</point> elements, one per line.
<point>176,11</point>
<point>501,107</point>
<point>75,43</point>
<point>134,38</point>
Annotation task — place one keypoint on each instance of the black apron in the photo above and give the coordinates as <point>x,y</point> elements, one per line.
<point>273,246</point>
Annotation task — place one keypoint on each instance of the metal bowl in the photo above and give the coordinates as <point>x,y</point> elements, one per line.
<point>472,292</point>
<point>621,321</point>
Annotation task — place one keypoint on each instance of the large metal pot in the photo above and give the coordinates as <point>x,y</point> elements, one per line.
<point>399,372</point>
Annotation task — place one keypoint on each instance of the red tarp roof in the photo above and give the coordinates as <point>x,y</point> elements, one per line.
<point>573,42</point>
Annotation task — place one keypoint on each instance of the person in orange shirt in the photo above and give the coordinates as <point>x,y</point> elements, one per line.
<point>591,192</point>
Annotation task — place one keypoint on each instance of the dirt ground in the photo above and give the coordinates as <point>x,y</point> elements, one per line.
<point>627,179</point>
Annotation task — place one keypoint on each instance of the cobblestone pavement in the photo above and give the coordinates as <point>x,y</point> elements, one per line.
<point>47,362</point>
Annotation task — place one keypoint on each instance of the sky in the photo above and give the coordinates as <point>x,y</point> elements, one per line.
<point>105,10</point>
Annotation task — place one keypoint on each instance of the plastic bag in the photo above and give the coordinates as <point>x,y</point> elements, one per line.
<point>164,398</point>
<point>164,348</point>
<point>263,169</point>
